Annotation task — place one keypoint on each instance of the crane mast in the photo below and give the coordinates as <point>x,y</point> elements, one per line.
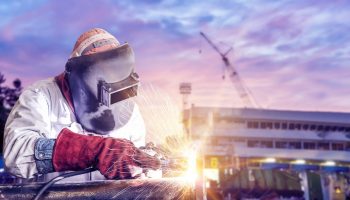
<point>243,92</point>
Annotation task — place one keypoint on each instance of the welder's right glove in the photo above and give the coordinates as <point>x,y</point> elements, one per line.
<point>114,158</point>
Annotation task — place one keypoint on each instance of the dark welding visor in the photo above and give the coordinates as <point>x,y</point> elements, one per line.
<point>110,93</point>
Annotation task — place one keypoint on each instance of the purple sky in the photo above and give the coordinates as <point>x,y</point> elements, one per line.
<point>291,54</point>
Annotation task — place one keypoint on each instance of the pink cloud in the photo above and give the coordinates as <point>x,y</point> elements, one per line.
<point>277,51</point>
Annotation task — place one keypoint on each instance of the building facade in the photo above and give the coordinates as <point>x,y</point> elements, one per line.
<point>246,148</point>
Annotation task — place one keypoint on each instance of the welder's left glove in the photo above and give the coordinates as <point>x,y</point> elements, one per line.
<point>114,158</point>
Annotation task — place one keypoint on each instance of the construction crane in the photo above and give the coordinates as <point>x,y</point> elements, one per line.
<point>243,92</point>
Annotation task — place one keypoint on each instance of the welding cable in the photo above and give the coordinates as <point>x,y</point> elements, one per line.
<point>60,177</point>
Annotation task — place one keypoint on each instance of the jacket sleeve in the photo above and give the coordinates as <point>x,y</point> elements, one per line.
<point>27,123</point>
<point>138,131</point>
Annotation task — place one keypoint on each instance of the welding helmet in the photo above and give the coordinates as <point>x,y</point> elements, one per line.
<point>101,85</point>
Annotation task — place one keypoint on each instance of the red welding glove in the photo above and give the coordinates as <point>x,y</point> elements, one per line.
<point>114,158</point>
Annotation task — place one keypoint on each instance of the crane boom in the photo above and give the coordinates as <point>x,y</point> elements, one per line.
<point>243,92</point>
<point>212,44</point>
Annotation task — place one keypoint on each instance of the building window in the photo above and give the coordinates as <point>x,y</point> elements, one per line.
<point>288,145</point>
<point>277,125</point>
<point>266,144</point>
<point>266,125</point>
<point>341,128</point>
<point>291,126</point>
<point>281,144</point>
<point>284,126</point>
<point>298,126</point>
<point>347,146</point>
<point>269,125</point>
<point>327,128</point>
<point>320,127</point>
<point>294,145</point>
<point>253,143</point>
<point>309,145</point>
<point>323,146</point>
<point>252,124</point>
<point>306,127</point>
<point>334,128</point>
<point>313,127</point>
<point>338,146</point>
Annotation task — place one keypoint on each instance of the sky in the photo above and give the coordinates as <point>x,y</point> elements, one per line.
<point>290,54</point>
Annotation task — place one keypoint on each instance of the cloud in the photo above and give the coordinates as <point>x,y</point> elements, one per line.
<point>291,54</point>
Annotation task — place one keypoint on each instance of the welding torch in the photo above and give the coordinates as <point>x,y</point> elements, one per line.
<point>167,160</point>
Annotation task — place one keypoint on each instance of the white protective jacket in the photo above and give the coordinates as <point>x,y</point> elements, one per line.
<point>42,111</point>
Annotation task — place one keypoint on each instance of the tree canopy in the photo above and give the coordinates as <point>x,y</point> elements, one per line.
<point>8,98</point>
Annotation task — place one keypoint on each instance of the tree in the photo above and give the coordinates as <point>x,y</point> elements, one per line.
<point>8,98</point>
<point>2,91</point>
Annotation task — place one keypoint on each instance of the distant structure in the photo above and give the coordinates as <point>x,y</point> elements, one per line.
<point>185,91</point>
<point>296,154</point>
<point>244,93</point>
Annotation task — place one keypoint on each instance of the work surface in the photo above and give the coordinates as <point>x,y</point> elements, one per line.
<point>164,188</point>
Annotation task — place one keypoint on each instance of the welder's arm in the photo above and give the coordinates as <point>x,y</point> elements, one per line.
<point>27,122</point>
<point>114,158</point>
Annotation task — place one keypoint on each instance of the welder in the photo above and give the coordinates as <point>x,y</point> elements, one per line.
<point>84,117</point>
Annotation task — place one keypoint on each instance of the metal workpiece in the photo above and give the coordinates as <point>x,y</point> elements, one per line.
<point>163,188</point>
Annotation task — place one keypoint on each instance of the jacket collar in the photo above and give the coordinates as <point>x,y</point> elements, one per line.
<point>64,87</point>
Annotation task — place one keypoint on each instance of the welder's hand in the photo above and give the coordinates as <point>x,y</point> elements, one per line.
<point>152,150</point>
<point>114,158</point>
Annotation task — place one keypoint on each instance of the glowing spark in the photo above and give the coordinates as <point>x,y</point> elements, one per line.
<point>191,172</point>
